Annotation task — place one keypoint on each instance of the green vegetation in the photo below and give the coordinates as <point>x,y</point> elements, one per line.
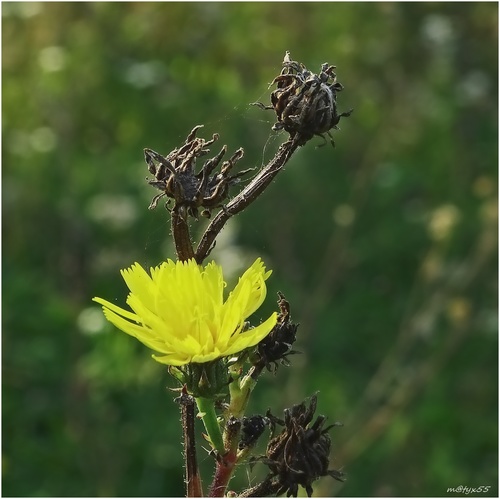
<point>385,247</point>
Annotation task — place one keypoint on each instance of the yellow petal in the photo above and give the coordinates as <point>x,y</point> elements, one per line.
<point>116,309</point>
<point>253,336</point>
<point>138,332</point>
<point>139,282</point>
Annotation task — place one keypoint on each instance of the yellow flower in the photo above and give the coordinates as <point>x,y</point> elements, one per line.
<point>180,312</point>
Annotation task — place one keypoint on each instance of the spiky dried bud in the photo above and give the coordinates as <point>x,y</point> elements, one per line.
<point>175,175</point>
<point>305,103</point>
<point>251,429</point>
<point>277,345</point>
<point>300,453</point>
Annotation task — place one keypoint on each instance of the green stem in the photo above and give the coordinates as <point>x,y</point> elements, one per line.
<point>207,409</point>
<point>240,391</point>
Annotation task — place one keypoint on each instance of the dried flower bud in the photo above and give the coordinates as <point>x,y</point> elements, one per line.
<point>251,429</point>
<point>175,175</point>
<point>277,345</point>
<point>300,453</point>
<point>305,103</point>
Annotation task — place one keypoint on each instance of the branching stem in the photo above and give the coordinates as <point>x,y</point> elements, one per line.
<point>223,472</point>
<point>226,456</point>
<point>249,194</point>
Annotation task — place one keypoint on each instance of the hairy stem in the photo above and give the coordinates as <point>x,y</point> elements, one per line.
<point>180,233</point>
<point>223,473</point>
<point>247,196</point>
<point>267,488</point>
<point>226,463</point>
<point>193,481</point>
<point>240,393</point>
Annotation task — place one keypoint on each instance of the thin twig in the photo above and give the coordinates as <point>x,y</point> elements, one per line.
<point>249,194</point>
<point>266,488</point>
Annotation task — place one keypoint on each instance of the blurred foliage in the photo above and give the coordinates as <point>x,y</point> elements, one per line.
<point>385,246</point>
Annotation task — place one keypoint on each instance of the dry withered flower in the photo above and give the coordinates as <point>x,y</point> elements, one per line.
<point>277,345</point>
<point>305,103</point>
<point>298,455</point>
<point>175,175</point>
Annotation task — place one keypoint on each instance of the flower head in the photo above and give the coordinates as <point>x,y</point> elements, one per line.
<point>305,103</point>
<point>299,455</point>
<point>180,312</point>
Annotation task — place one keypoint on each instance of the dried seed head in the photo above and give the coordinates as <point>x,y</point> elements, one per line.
<point>305,103</point>
<point>299,455</point>
<point>175,175</point>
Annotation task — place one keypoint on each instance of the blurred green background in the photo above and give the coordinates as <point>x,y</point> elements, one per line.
<point>386,246</point>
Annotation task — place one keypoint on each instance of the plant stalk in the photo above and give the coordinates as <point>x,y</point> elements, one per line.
<point>226,464</point>
<point>181,236</point>
<point>249,194</point>
<point>240,394</point>
<point>209,417</point>
<point>223,473</point>
<point>268,488</point>
<point>193,480</point>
